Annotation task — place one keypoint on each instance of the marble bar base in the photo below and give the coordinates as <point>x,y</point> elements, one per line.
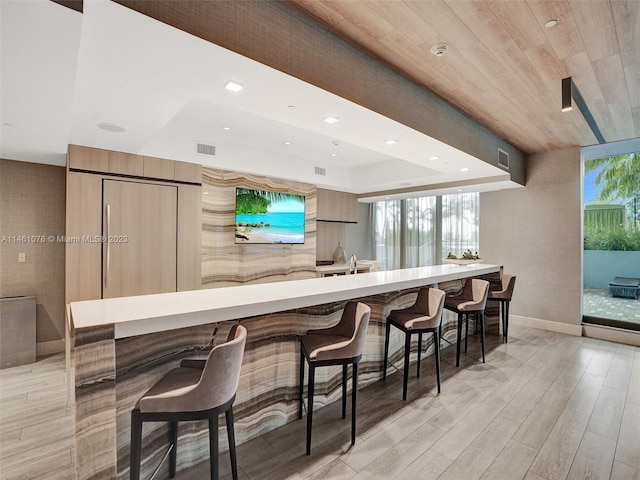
<point>112,374</point>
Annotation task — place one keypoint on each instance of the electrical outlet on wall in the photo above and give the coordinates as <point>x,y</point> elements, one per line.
<point>22,257</point>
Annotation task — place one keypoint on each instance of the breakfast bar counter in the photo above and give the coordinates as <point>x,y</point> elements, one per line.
<point>122,346</point>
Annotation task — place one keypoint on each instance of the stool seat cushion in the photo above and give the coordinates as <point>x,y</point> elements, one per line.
<point>463,304</point>
<point>327,347</point>
<point>177,382</point>
<point>410,320</point>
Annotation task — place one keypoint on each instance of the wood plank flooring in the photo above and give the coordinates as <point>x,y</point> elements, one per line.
<point>544,406</point>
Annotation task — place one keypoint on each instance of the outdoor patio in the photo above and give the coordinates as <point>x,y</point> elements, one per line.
<point>599,304</point>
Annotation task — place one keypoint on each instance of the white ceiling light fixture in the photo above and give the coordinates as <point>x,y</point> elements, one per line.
<point>551,23</point>
<point>331,119</point>
<point>464,169</point>
<point>233,86</point>
<point>434,157</point>
<point>111,127</point>
<point>391,141</point>
<point>287,142</point>
<point>226,128</point>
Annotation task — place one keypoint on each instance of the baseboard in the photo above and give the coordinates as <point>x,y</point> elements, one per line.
<point>617,335</point>
<point>49,348</point>
<point>559,327</point>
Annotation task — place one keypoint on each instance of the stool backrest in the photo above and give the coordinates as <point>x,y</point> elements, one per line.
<point>353,326</point>
<point>508,284</point>
<point>475,293</point>
<point>221,373</point>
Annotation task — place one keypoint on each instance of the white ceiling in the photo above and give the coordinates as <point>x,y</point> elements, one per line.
<point>63,73</point>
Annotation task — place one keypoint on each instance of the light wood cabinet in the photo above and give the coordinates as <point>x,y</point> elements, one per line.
<point>140,247</point>
<point>87,158</point>
<point>159,168</point>
<point>334,206</point>
<point>188,172</point>
<point>130,236</point>
<point>126,164</point>
<point>83,247</point>
<point>189,237</point>
<point>90,159</point>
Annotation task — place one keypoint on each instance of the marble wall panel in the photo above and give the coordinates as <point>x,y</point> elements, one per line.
<point>226,263</point>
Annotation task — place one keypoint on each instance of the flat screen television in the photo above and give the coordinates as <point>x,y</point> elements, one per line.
<point>266,217</point>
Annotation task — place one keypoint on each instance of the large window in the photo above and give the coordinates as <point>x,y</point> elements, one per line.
<point>415,232</point>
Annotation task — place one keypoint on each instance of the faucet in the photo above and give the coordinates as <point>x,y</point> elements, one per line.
<point>352,265</point>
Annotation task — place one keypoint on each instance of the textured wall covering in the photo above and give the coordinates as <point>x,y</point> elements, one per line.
<point>32,203</point>
<point>226,263</point>
<point>535,233</point>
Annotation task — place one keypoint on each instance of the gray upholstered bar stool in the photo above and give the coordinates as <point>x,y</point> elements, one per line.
<point>424,316</point>
<point>198,390</point>
<point>471,300</point>
<point>504,297</point>
<point>338,345</point>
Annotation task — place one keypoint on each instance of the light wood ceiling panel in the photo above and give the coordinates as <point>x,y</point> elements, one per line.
<point>503,67</point>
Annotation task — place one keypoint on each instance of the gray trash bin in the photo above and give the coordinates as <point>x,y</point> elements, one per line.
<point>17,331</point>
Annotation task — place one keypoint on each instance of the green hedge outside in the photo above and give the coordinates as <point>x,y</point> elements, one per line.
<point>618,239</point>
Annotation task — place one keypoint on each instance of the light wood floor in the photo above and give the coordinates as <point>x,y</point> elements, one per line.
<point>544,406</point>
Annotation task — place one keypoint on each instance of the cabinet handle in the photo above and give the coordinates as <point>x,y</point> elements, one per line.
<point>106,278</point>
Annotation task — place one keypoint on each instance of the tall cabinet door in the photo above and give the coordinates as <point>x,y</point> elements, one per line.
<point>140,238</point>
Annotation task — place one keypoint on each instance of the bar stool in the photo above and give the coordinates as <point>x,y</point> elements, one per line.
<point>504,297</point>
<point>424,316</point>
<point>471,300</point>
<point>198,390</point>
<point>338,345</point>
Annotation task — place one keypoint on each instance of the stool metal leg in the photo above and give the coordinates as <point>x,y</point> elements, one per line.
<point>481,316</point>
<point>419,352</point>
<point>312,374</point>
<point>459,339</point>
<point>386,349</point>
<point>407,351</point>
<point>213,446</point>
<point>173,440</point>
<point>344,391</point>
<point>354,396</point>
<point>436,353</point>
<point>301,382</point>
<point>232,442</point>
<point>505,328</point>
<point>466,331</point>
<point>136,445</point>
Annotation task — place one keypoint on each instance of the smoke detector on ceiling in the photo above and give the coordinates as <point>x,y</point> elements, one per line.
<point>440,49</point>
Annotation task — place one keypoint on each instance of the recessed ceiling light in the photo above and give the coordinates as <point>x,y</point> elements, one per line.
<point>206,193</point>
<point>226,128</point>
<point>434,157</point>
<point>334,154</point>
<point>551,23</point>
<point>459,190</point>
<point>464,169</point>
<point>287,143</point>
<point>391,141</point>
<point>233,86</point>
<point>331,119</point>
<point>111,127</point>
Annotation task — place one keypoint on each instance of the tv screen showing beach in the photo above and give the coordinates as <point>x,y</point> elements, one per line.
<point>269,217</point>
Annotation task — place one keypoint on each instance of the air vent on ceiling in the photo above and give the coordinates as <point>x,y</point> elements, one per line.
<point>503,159</point>
<point>206,149</point>
<point>321,171</point>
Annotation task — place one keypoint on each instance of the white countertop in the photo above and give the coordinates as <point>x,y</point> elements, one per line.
<point>154,313</point>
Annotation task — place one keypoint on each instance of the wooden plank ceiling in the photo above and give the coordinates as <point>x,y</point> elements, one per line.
<point>503,67</point>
